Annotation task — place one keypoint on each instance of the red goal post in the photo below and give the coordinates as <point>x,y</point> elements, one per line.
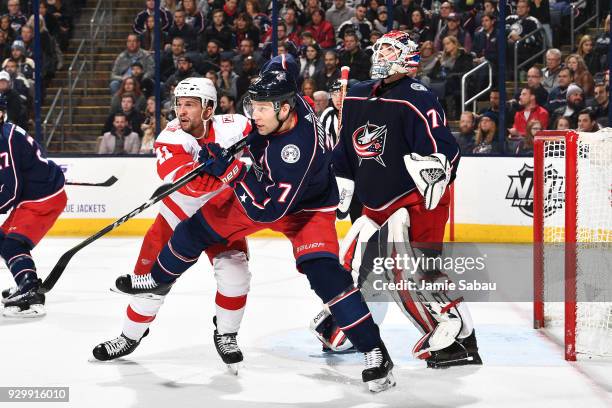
<point>572,227</point>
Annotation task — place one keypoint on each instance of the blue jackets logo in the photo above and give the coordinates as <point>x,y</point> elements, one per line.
<point>369,142</point>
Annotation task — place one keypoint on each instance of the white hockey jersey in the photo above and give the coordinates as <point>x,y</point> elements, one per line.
<point>177,153</point>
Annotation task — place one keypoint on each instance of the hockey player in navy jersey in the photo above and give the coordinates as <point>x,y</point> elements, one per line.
<point>32,193</point>
<point>290,189</point>
<point>398,157</point>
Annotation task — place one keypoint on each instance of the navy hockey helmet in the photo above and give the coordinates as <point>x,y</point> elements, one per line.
<point>271,86</point>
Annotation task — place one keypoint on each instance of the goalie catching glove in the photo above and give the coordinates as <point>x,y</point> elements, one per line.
<point>431,175</point>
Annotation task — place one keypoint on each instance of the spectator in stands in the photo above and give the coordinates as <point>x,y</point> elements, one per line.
<point>429,60</point>
<point>260,19</point>
<point>48,47</point>
<point>534,81</point>
<point>581,74</point>
<point>310,7</point>
<point>180,29</point>
<point>530,110</point>
<point>228,79</point>
<point>246,30</point>
<point>321,100</point>
<point>119,139</point>
<point>602,43</point>
<point>249,71</point>
<point>587,121</point>
<point>452,64</point>
<point>131,86</point>
<point>184,70</point>
<point>558,95</point>
<point>540,10</point>
<point>602,99</point>
<point>219,31</point>
<point>574,104</point>
<point>562,123</point>
<point>372,12</point>
<point>322,30</point>
<point>311,63</point>
<point>140,21</point>
<point>147,38</point>
<point>213,53</point>
<point>227,104</point>
<point>49,19</point>
<point>466,136</point>
<point>230,11</point>
<point>63,11</point>
<point>525,146</point>
<point>132,53</point>
<point>308,88</point>
<point>420,29</point>
<point>359,24</point>
<point>146,84</point>
<point>18,20</point>
<point>148,127</point>
<point>18,82</point>
<point>330,72</point>
<point>380,22</point>
<point>292,26</point>
<point>169,58</point>
<point>453,28</point>
<point>15,105</point>
<point>486,135</point>
<point>438,20</point>
<point>5,45</point>
<point>485,41</point>
<point>553,66</point>
<point>517,27</point>
<point>246,51</point>
<point>26,65</point>
<point>354,57</point>
<point>403,13</point>
<point>339,13</point>
<point>585,50</point>
<point>5,27</point>
<point>135,118</point>
<point>193,16</point>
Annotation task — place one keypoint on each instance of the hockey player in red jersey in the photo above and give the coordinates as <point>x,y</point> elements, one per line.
<point>397,155</point>
<point>32,192</point>
<point>177,148</point>
<point>290,189</point>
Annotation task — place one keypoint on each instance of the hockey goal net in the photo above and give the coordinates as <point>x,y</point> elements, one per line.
<point>572,217</point>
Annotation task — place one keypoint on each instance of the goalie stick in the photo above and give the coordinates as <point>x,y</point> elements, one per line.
<point>161,192</point>
<point>344,74</point>
<point>112,180</point>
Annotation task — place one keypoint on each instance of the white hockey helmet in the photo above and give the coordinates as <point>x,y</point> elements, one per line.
<point>394,53</point>
<point>202,88</point>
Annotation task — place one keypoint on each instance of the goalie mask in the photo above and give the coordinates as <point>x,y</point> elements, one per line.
<point>394,53</point>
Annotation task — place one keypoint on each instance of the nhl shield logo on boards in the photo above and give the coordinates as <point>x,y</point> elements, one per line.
<point>369,142</point>
<point>520,190</point>
<point>290,154</point>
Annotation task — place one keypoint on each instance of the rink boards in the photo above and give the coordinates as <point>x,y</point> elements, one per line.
<point>492,197</point>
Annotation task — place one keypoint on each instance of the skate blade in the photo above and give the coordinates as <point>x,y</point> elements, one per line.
<point>32,312</point>
<point>382,384</point>
<point>140,295</point>
<point>472,359</point>
<point>233,368</point>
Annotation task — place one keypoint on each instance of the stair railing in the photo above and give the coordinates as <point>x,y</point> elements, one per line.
<point>464,78</point>
<point>575,30</point>
<point>100,21</point>
<point>55,119</point>
<point>75,74</point>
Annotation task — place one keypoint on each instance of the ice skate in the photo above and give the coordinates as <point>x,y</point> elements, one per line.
<point>24,301</point>
<point>141,286</point>
<point>228,349</point>
<point>377,373</point>
<point>118,347</point>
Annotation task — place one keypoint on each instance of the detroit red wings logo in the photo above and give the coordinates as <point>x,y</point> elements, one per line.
<point>369,142</point>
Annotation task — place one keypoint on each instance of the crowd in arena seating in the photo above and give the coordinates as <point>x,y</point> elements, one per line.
<point>227,41</point>
<point>17,49</point>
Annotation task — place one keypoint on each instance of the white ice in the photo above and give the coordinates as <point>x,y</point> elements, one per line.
<point>177,366</point>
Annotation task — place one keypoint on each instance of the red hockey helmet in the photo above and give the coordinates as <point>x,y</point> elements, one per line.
<point>394,52</point>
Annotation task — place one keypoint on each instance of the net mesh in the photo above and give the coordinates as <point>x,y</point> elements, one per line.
<point>594,240</point>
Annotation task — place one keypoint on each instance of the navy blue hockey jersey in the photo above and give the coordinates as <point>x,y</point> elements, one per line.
<point>291,171</point>
<point>24,173</point>
<point>379,127</point>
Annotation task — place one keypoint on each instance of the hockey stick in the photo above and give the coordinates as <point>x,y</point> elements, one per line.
<point>161,192</point>
<point>112,180</point>
<point>344,74</point>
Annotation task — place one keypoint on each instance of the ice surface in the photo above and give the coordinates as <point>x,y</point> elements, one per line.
<point>176,366</point>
